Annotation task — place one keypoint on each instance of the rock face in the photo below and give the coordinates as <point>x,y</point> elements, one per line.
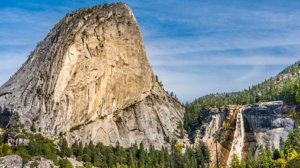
<point>40,163</point>
<point>76,163</point>
<point>14,161</point>
<point>263,123</point>
<point>266,123</point>
<point>90,78</point>
<point>215,122</point>
<point>11,161</point>
<point>14,138</point>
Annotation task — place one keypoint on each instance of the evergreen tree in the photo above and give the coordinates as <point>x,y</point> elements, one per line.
<point>276,154</point>
<point>235,163</point>
<point>181,130</point>
<point>65,151</point>
<point>141,156</point>
<point>250,160</point>
<point>80,149</point>
<point>75,148</point>
<point>65,163</point>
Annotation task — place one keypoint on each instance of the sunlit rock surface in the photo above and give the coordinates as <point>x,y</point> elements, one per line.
<point>90,79</point>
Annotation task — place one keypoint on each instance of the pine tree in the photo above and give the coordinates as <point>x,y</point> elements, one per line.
<point>64,149</point>
<point>250,160</point>
<point>75,148</point>
<point>235,163</point>
<point>276,154</point>
<point>141,156</point>
<point>181,130</point>
<point>80,149</point>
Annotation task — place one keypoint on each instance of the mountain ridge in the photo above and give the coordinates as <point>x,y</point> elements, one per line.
<point>279,87</point>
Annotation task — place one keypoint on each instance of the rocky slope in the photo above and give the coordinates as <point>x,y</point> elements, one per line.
<point>263,123</point>
<point>90,80</point>
<point>15,161</point>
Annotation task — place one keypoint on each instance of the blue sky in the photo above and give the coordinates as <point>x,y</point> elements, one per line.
<point>196,47</point>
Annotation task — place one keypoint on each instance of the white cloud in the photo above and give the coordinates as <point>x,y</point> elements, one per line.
<point>224,60</point>
<point>181,41</point>
<point>171,46</point>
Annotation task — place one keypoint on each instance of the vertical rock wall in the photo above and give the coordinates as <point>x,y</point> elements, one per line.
<point>263,123</point>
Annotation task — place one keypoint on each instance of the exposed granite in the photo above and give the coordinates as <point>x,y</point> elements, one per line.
<point>11,161</point>
<point>91,73</point>
<point>264,123</point>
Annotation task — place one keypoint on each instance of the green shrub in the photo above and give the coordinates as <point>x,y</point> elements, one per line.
<point>86,158</point>
<point>65,163</point>
<point>88,165</point>
<point>32,128</point>
<point>34,164</point>
<point>79,159</point>
<point>167,139</point>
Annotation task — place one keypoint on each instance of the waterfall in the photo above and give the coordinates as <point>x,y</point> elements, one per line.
<point>238,139</point>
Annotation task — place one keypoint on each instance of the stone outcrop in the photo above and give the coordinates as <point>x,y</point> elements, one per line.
<point>264,123</point>
<point>15,161</point>
<point>76,163</point>
<point>16,138</point>
<point>11,161</point>
<point>90,79</point>
<point>40,163</point>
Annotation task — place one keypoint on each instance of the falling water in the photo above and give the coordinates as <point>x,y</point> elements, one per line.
<point>238,139</point>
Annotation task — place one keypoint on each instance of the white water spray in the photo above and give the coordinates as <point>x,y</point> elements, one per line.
<point>238,139</point>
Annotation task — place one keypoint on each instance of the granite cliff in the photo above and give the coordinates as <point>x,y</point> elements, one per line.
<point>243,128</point>
<point>90,80</point>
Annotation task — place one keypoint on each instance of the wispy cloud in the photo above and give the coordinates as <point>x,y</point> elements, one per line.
<point>195,47</point>
<point>179,45</point>
<point>227,60</point>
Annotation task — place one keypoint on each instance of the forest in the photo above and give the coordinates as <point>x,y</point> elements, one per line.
<point>104,156</point>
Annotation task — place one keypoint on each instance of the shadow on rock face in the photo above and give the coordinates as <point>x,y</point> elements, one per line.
<point>5,115</point>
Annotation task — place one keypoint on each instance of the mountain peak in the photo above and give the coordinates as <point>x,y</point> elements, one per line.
<point>91,80</point>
